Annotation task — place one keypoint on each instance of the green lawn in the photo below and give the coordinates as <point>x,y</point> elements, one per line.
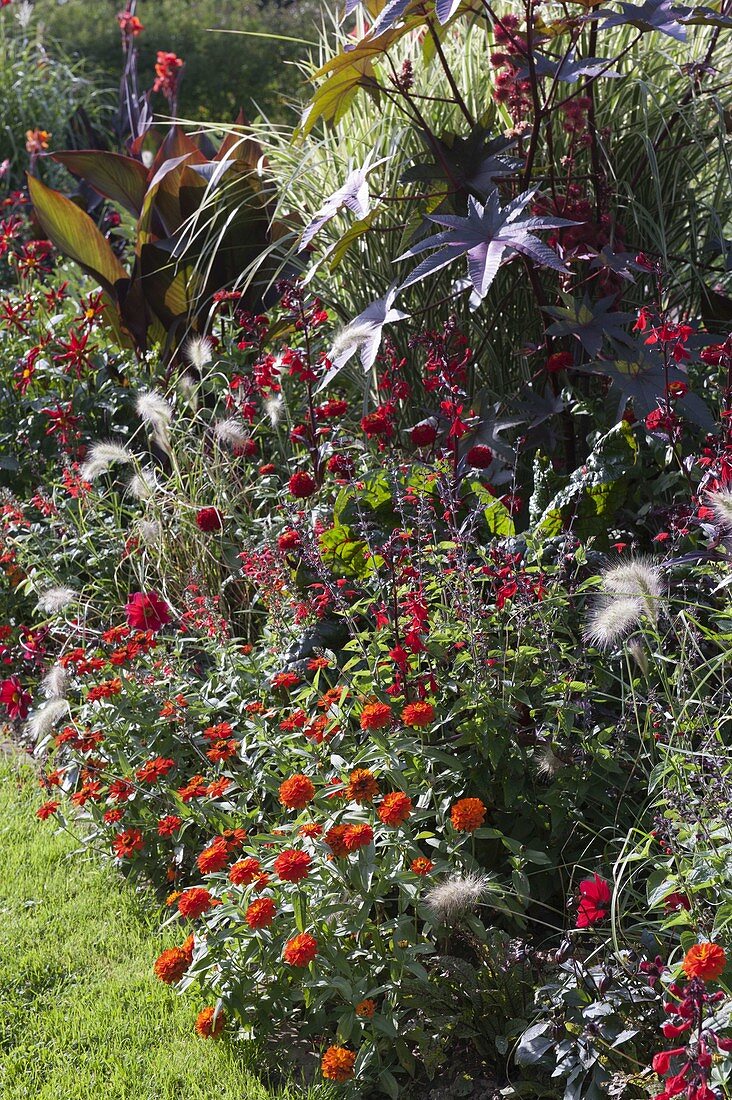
<point>81,1015</point>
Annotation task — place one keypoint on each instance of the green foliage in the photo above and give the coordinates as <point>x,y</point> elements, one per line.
<point>224,71</point>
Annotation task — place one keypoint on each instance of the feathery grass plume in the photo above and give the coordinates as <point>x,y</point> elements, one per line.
<point>154,410</point>
<point>457,896</point>
<point>150,531</point>
<point>638,578</point>
<point>611,619</point>
<point>638,652</point>
<point>274,407</point>
<point>231,432</point>
<point>548,765</point>
<point>350,339</point>
<point>721,503</point>
<point>198,351</point>
<point>42,721</point>
<point>101,457</point>
<point>144,485</point>
<point>54,682</point>
<point>56,599</point>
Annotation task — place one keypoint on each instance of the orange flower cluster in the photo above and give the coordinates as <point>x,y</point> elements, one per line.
<point>292,866</point>
<point>195,901</point>
<point>246,871</point>
<point>375,716</point>
<point>362,786</point>
<point>395,809</point>
<point>173,963</point>
<point>260,913</point>
<point>418,715</point>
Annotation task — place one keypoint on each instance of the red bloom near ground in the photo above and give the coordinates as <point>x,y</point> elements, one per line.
<point>206,1026</point>
<point>292,866</point>
<point>395,808</point>
<point>468,814</point>
<point>337,1064</point>
<point>47,809</point>
<point>594,902</point>
<point>705,961</point>
<point>147,611</point>
<point>301,950</point>
<point>260,913</point>
<point>195,901</point>
<point>209,519</point>
<point>171,965</point>
<point>296,792</point>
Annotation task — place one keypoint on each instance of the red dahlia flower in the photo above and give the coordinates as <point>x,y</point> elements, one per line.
<point>479,456</point>
<point>15,700</point>
<point>594,901</point>
<point>301,484</point>
<point>147,611</point>
<point>209,519</point>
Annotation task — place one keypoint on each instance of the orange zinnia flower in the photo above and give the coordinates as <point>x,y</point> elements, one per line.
<point>362,786</point>
<point>418,715</point>
<point>195,901</point>
<point>206,1026</point>
<point>357,836</point>
<point>468,814</point>
<point>214,857</point>
<point>705,961</point>
<point>292,866</point>
<point>260,913</point>
<point>296,792</point>
<point>375,716</point>
<point>366,1008</point>
<point>421,865</point>
<point>334,839</point>
<point>337,1064</point>
<point>245,871</point>
<point>301,950</point>
<point>395,808</point>
<point>171,965</point>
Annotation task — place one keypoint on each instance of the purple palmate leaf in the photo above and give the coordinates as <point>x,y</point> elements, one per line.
<point>363,335</point>
<point>653,15</point>
<point>488,236</point>
<point>354,194</point>
<point>570,68</point>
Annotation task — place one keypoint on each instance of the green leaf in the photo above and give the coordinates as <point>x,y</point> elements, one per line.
<point>75,234</point>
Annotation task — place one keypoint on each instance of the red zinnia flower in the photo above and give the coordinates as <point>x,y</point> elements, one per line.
<point>171,965</point>
<point>594,901</point>
<point>208,1027</point>
<point>47,809</point>
<point>357,836</point>
<point>260,913</point>
<point>421,865</point>
<point>301,950</point>
<point>245,872</point>
<point>209,519</point>
<point>127,843</point>
<point>296,792</point>
<point>292,866</point>
<point>214,857</point>
<point>195,901</point>
<point>395,808</point>
<point>167,825</point>
<point>147,611</point>
<point>376,716</point>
